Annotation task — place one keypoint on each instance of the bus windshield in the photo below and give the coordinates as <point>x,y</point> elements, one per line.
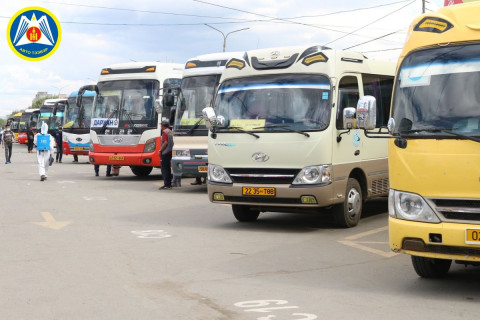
<point>196,94</point>
<point>130,103</point>
<point>296,101</point>
<point>436,91</point>
<point>79,117</point>
<point>24,121</point>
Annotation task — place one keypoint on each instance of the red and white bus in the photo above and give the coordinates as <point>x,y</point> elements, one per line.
<point>127,112</point>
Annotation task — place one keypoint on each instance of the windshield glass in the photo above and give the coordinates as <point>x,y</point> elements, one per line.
<point>196,94</point>
<point>76,117</point>
<point>437,89</point>
<point>296,101</point>
<point>24,121</point>
<point>126,104</point>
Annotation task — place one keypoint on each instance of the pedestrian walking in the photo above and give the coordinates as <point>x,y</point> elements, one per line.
<point>45,147</point>
<point>30,137</point>
<point>8,138</point>
<point>166,147</point>
<point>97,170</point>
<point>59,141</point>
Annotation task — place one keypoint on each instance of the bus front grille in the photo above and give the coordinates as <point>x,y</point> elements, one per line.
<point>262,176</point>
<point>458,209</point>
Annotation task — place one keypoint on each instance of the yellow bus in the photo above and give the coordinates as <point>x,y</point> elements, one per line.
<point>434,156</point>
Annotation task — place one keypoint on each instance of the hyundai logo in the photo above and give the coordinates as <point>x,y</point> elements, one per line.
<point>79,139</point>
<point>117,140</point>
<point>274,54</point>
<point>260,157</point>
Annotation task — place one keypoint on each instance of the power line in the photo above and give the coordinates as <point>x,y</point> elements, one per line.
<point>368,24</point>
<point>392,49</point>
<point>375,39</point>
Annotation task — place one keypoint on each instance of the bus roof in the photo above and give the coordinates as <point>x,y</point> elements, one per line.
<point>74,94</point>
<point>31,110</point>
<point>452,24</point>
<point>141,70</point>
<point>51,102</point>
<point>213,63</point>
<point>312,59</point>
<point>18,114</point>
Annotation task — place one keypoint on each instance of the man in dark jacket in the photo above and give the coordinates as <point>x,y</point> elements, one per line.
<point>59,141</point>
<point>8,139</point>
<point>30,136</point>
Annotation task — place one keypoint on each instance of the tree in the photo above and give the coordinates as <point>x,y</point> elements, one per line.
<point>38,103</point>
<point>3,123</point>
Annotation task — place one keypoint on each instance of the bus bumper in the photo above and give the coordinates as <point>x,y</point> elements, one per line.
<point>75,149</point>
<point>189,168</point>
<point>433,240</point>
<point>125,159</point>
<point>287,198</point>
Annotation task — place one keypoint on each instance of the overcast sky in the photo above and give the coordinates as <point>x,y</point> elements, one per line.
<point>93,39</point>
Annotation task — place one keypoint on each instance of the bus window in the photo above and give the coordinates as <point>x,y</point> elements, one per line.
<point>348,96</point>
<point>381,88</point>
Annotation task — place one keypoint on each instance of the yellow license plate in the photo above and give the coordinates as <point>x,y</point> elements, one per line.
<point>203,169</point>
<point>116,158</point>
<point>78,149</point>
<point>472,236</point>
<point>258,191</point>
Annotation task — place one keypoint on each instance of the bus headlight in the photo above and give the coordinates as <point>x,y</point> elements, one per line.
<point>90,146</point>
<point>150,145</point>
<point>181,154</point>
<point>64,138</point>
<point>409,206</point>
<point>314,175</point>
<point>218,174</point>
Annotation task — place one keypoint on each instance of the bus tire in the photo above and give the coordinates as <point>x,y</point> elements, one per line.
<point>348,213</point>
<point>244,213</point>
<point>141,171</point>
<point>430,267</point>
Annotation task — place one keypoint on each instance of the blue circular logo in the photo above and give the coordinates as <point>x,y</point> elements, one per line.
<point>34,33</point>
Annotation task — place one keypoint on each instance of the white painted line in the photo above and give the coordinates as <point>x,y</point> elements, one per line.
<point>350,241</point>
<point>152,234</point>
<point>65,181</point>
<point>94,198</point>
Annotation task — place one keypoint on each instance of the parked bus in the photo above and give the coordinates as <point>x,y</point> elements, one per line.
<point>29,117</point>
<point>199,82</point>
<point>52,113</point>
<point>14,123</point>
<point>125,124</point>
<point>279,140</point>
<point>434,156</point>
<point>76,128</point>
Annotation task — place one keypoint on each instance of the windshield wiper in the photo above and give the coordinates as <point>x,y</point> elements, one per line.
<point>104,127</point>
<point>444,130</point>
<point>244,131</point>
<point>284,127</point>
<point>130,120</point>
<point>195,126</point>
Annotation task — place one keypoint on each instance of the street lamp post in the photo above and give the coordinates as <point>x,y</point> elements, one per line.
<point>59,89</point>
<point>225,36</point>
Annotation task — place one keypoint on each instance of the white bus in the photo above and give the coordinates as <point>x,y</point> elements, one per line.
<point>125,124</point>
<point>282,137</point>
<point>199,82</point>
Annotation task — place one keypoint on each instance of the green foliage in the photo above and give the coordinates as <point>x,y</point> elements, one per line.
<point>38,103</point>
<point>3,123</point>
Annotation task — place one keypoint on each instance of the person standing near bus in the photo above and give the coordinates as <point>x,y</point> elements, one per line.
<point>166,154</point>
<point>30,136</point>
<point>45,148</point>
<point>59,141</point>
<point>8,138</point>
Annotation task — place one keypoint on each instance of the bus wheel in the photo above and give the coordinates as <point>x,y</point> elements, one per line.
<point>141,171</point>
<point>348,213</point>
<point>430,267</point>
<point>244,213</point>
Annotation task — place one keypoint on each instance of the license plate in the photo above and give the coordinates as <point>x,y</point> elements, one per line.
<point>258,191</point>
<point>203,169</point>
<point>472,236</point>
<point>78,148</point>
<point>116,158</point>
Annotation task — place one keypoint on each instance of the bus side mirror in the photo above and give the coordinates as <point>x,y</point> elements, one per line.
<point>349,118</point>
<point>81,91</point>
<point>367,112</point>
<point>210,118</point>
<point>158,105</point>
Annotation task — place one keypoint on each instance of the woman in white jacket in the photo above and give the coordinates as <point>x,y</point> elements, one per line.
<point>43,155</point>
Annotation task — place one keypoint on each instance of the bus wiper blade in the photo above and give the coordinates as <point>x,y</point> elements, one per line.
<point>106,122</point>
<point>244,131</point>
<point>195,126</point>
<point>130,120</point>
<point>443,130</point>
<point>284,127</point>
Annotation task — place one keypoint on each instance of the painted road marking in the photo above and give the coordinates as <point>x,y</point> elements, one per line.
<point>151,234</point>
<point>51,223</point>
<point>353,241</point>
<point>94,198</point>
<point>259,305</point>
<point>65,181</point>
